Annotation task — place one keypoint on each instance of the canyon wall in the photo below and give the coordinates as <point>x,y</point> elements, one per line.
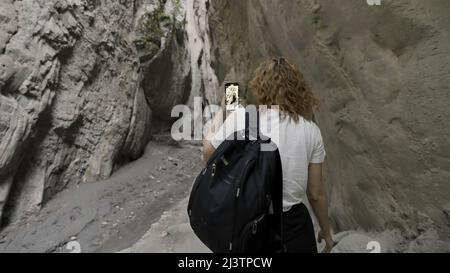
<point>383,76</point>
<point>84,83</point>
<point>79,81</point>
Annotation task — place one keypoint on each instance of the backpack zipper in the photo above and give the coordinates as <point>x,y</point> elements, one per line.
<point>255,227</point>
<point>213,170</point>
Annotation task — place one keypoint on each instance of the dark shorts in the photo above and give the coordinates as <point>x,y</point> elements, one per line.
<point>299,234</point>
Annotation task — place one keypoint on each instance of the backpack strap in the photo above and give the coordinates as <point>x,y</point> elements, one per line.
<point>278,188</point>
<point>278,208</point>
<point>248,127</point>
<point>283,244</point>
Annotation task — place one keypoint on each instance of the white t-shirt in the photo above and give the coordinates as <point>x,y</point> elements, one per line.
<point>299,144</point>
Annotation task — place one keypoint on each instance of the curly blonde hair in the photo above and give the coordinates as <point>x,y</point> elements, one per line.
<point>278,82</point>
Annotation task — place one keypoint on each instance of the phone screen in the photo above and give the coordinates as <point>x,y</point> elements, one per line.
<point>231,96</point>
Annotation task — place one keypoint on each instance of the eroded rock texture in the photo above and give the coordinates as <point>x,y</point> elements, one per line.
<point>75,102</point>
<point>383,76</point>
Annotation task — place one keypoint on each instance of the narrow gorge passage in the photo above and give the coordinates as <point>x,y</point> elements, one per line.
<point>88,88</point>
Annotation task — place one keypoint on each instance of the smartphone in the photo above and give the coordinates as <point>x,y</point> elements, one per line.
<point>232,96</point>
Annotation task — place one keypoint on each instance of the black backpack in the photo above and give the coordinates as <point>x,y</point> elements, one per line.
<point>236,198</point>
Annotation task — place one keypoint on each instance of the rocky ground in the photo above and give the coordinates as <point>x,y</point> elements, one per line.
<point>142,208</point>
<point>110,215</point>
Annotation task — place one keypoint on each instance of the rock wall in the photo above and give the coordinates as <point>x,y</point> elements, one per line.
<point>84,82</point>
<point>382,73</point>
<point>77,90</point>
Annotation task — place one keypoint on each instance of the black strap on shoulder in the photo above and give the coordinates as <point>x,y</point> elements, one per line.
<point>248,127</point>
<point>278,187</point>
<point>283,244</point>
<point>278,207</point>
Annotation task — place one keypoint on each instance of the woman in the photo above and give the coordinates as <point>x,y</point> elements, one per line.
<point>279,83</point>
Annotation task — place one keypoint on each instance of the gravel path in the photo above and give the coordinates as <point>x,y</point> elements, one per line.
<point>110,215</point>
